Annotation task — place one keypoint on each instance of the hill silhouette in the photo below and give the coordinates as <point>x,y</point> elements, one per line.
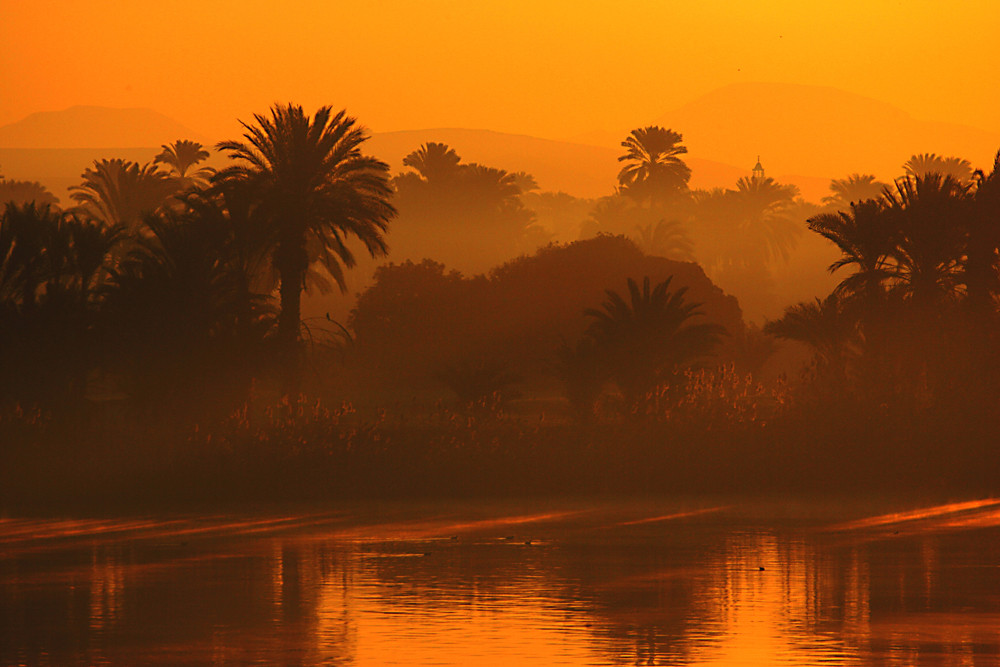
<point>94,127</point>
<point>801,129</point>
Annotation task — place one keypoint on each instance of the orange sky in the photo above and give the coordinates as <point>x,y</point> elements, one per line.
<point>552,69</point>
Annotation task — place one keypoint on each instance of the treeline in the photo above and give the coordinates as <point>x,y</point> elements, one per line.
<point>914,323</point>
<point>166,308</point>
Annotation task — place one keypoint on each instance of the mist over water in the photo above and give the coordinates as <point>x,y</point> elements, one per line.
<point>642,582</point>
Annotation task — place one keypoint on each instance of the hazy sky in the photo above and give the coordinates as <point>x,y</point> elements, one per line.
<point>552,69</point>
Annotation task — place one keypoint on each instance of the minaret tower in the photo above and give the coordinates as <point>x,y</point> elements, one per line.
<point>758,170</point>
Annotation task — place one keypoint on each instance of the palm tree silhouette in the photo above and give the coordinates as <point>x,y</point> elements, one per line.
<point>653,170</point>
<point>928,212</point>
<point>434,161</point>
<point>979,273</point>
<point>181,156</point>
<point>648,336</point>
<point>826,326</point>
<point>52,267</point>
<point>22,192</point>
<point>121,192</point>
<point>854,188</point>
<point>665,238</point>
<point>867,237</point>
<point>930,163</point>
<point>748,227</point>
<point>316,190</point>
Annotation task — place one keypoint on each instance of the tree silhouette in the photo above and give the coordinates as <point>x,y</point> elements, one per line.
<point>647,226</point>
<point>121,192</point>
<point>434,161</point>
<point>748,227</point>
<point>827,327</point>
<point>459,212</point>
<point>181,156</point>
<point>653,170</point>
<point>22,192</point>
<point>316,190</point>
<point>172,312</point>
<point>980,269</point>
<point>867,237</point>
<point>927,211</point>
<point>920,165</point>
<point>52,267</point>
<point>648,337</point>
<point>854,188</point>
<point>665,238</point>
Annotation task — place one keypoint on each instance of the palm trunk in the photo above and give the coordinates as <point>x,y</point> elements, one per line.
<point>292,263</point>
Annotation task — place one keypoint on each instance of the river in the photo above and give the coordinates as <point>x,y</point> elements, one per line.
<point>678,582</point>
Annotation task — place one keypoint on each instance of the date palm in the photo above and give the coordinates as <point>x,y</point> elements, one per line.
<point>827,327</point>
<point>983,243</point>
<point>181,157</point>
<point>647,335</point>
<point>930,163</point>
<point>866,237</point>
<point>854,188</point>
<point>316,191</point>
<point>121,192</point>
<point>434,161</point>
<point>928,212</point>
<point>653,169</point>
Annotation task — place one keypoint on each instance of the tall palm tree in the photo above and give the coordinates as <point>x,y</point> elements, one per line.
<point>316,190</point>
<point>854,188</point>
<point>121,192</point>
<point>183,155</point>
<point>648,336</point>
<point>653,170</point>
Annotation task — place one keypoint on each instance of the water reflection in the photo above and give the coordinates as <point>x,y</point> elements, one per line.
<point>656,583</point>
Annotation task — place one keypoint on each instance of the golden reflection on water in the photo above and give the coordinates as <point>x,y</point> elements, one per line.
<point>618,585</point>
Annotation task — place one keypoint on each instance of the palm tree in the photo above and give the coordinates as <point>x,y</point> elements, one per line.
<point>22,192</point>
<point>121,192</point>
<point>648,337</point>
<point>51,271</point>
<point>434,161</point>
<point>827,327</point>
<point>171,309</point>
<point>928,211</point>
<point>866,236</point>
<point>665,238</point>
<point>980,275</point>
<point>183,155</point>
<point>653,170</point>
<point>930,163</point>
<point>854,188</point>
<point>316,190</point>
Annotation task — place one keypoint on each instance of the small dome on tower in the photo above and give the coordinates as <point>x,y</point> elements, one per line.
<point>758,169</point>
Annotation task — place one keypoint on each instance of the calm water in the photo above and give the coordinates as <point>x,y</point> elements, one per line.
<point>696,583</point>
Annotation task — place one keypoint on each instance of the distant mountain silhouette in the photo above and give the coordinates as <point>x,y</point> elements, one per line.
<point>95,127</point>
<point>579,169</point>
<point>799,129</point>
